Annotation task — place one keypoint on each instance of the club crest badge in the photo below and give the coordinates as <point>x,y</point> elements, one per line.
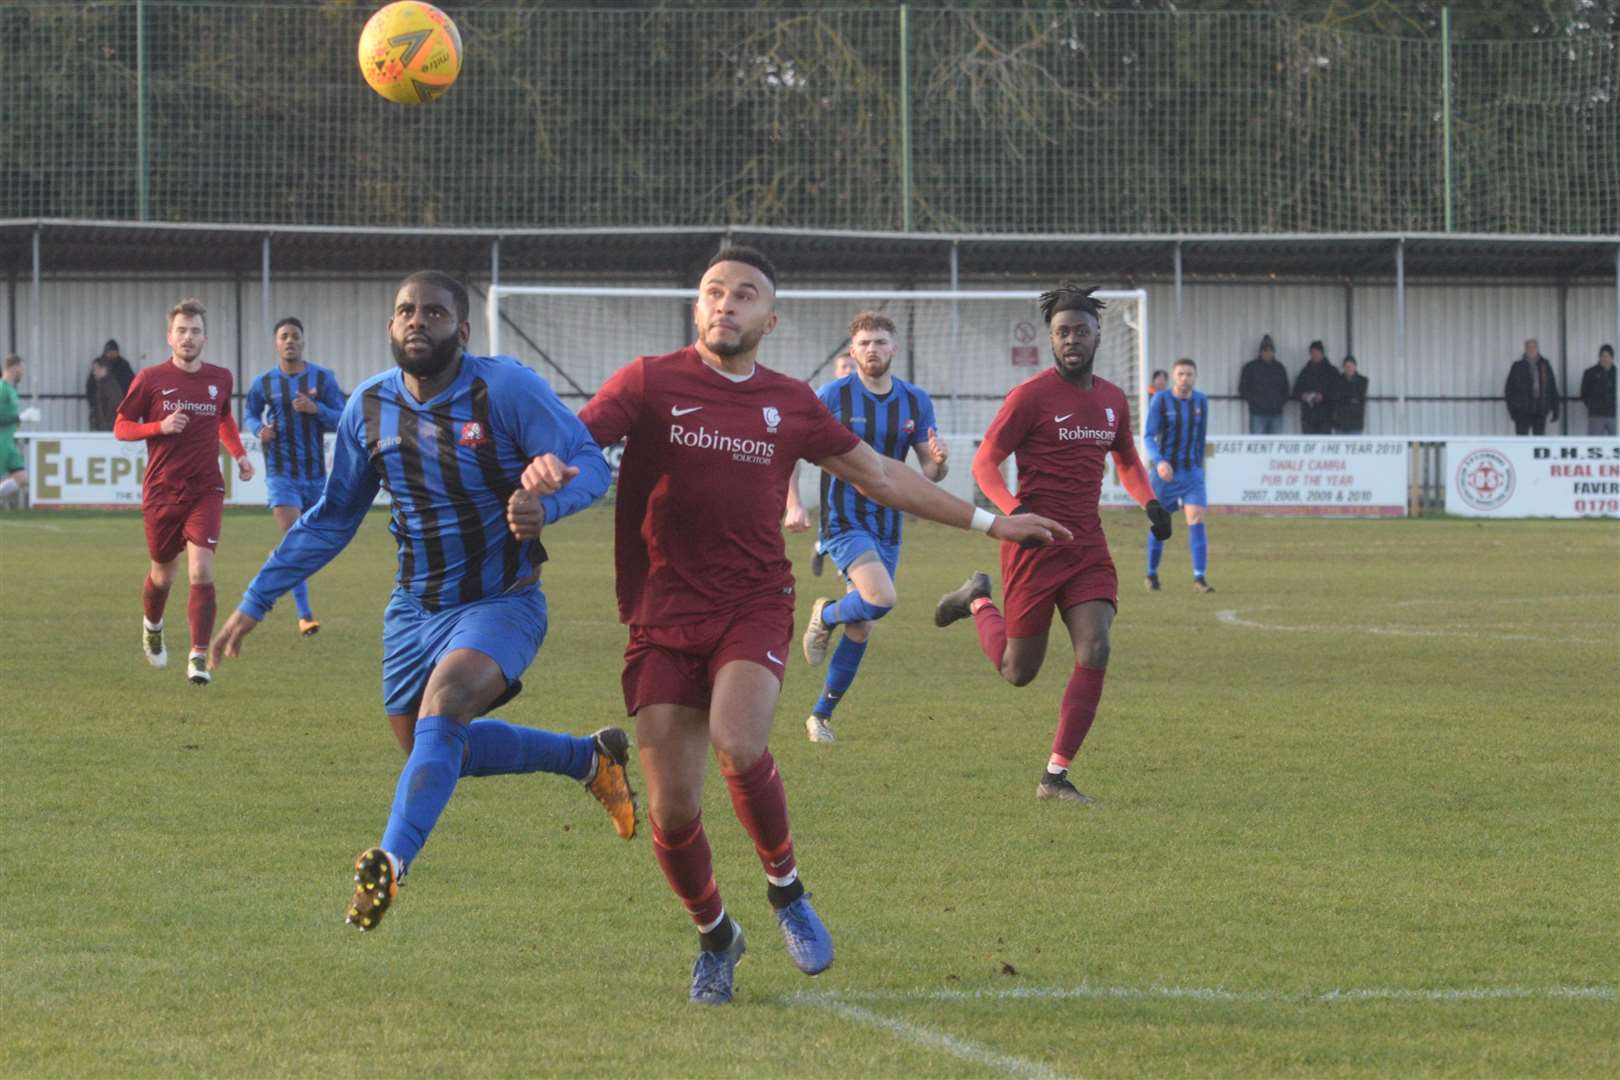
<point>472,434</point>
<point>1110,413</point>
<point>773,418</point>
<point>213,391</point>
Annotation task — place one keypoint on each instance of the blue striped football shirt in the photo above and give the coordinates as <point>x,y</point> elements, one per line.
<point>891,424</point>
<point>298,451</point>
<point>1175,429</point>
<point>449,464</point>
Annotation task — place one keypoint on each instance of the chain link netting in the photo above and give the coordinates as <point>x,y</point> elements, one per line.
<point>1043,119</point>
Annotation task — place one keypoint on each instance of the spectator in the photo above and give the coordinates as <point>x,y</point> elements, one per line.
<point>1597,392</point>
<point>1314,387</point>
<point>1264,385</point>
<point>1349,399</point>
<point>105,395</point>
<point>116,367</point>
<point>1161,380</point>
<point>1531,392</point>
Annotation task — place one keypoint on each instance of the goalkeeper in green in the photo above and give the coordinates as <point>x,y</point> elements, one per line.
<point>13,474</point>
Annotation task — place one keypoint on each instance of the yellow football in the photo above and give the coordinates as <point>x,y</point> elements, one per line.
<point>410,52</point>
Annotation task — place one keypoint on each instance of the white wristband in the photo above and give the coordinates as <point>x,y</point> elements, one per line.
<point>982,520</point>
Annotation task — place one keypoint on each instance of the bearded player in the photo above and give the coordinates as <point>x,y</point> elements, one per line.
<point>706,589</point>
<point>895,418</point>
<point>448,433</point>
<point>1062,424</point>
<point>182,408</point>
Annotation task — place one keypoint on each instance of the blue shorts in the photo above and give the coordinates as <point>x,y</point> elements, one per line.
<point>285,491</point>
<point>849,545</point>
<point>507,628</point>
<point>1186,487</point>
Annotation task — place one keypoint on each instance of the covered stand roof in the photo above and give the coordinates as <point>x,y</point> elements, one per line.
<point>662,253</point>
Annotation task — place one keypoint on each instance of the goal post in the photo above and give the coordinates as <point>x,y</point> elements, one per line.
<point>966,348</point>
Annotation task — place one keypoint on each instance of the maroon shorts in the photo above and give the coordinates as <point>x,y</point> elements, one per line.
<point>676,665</point>
<point>1039,581</point>
<point>170,526</point>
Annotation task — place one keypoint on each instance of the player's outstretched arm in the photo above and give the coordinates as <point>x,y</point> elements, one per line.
<point>567,469</point>
<point>547,475</point>
<point>897,485</point>
<point>228,642</point>
<point>324,529</point>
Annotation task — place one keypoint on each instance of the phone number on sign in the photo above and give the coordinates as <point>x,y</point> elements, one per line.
<point>1261,495</point>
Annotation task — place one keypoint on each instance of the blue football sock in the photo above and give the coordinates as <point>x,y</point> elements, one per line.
<point>495,748</point>
<point>1198,547</point>
<point>425,785</point>
<point>852,608</point>
<point>300,593</point>
<point>841,669</point>
<point>1155,553</point>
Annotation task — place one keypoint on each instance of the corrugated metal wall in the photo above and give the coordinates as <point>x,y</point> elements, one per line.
<point>1460,339</point>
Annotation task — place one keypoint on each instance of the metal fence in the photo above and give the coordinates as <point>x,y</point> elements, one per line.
<point>1044,118</point>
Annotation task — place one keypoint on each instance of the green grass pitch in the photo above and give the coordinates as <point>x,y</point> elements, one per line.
<point>1359,816</point>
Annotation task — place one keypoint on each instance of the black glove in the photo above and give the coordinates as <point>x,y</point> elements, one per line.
<point>1159,518</point>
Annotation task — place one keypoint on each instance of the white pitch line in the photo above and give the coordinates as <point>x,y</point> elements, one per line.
<point>964,1049</point>
<point>1517,601</point>
<point>32,525</point>
<point>1232,618</point>
<point>1219,994</point>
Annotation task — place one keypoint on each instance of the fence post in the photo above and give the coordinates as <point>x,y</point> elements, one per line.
<point>1563,357</point>
<point>905,118</point>
<point>143,182</point>
<point>36,328</point>
<point>1445,107</point>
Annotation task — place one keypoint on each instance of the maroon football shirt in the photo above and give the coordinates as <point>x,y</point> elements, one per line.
<point>180,467</point>
<point>1062,436</point>
<point>703,482</point>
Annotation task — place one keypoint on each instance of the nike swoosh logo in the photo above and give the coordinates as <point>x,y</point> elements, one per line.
<point>1060,419</point>
<point>170,390</point>
<point>772,658</point>
<point>213,539</point>
<point>676,410</point>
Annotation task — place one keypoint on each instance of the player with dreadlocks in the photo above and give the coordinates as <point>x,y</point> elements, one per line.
<point>1062,424</point>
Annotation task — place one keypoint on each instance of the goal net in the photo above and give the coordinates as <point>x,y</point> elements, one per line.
<point>967,349</point>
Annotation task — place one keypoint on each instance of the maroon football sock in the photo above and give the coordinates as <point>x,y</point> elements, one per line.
<point>1080,699</point>
<point>153,599</point>
<point>760,801</point>
<point>200,610</point>
<point>992,629</point>
<point>683,855</point>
